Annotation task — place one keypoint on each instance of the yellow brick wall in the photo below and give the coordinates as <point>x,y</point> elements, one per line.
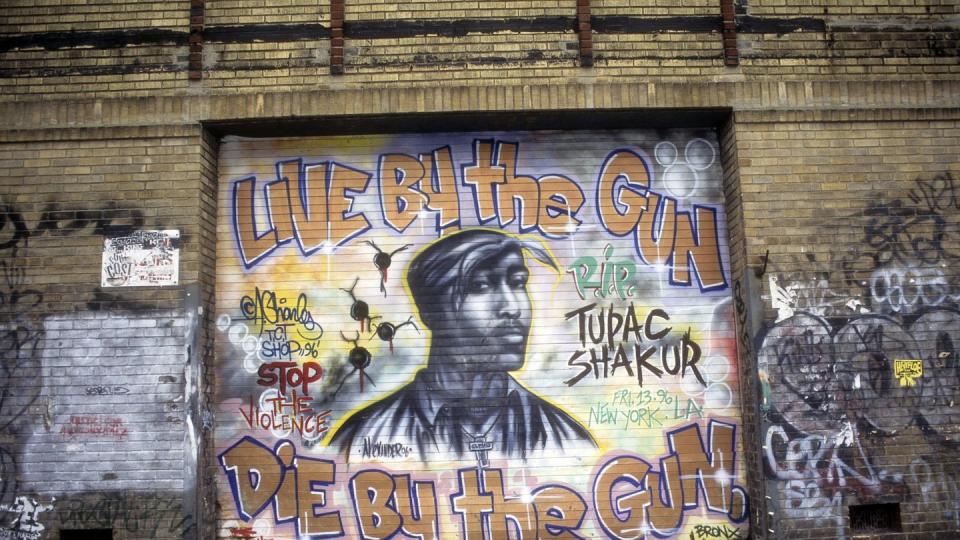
<point>22,16</point>
<point>836,209</point>
<point>645,8</point>
<point>236,12</point>
<point>285,46</point>
<point>371,10</point>
<point>881,9</point>
<point>125,181</point>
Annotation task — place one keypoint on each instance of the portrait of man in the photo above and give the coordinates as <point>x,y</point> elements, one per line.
<point>470,289</point>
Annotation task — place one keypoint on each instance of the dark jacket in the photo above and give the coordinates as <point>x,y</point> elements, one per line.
<point>420,418</point>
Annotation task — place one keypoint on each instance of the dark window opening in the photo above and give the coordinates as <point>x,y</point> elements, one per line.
<point>86,534</point>
<point>884,517</point>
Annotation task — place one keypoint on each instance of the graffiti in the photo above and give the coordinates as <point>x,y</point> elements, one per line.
<point>899,232</point>
<point>873,368</point>
<point>251,345</point>
<point>681,174</point>
<point>20,340</point>
<point>290,374</point>
<point>280,342</point>
<point>615,278</point>
<point>264,308</point>
<point>818,470</point>
<point>548,204</point>
<point>386,330</point>
<point>869,345</point>
<point>143,258</point>
<point>717,394</point>
<point>715,532</point>
<point>907,371</point>
<point>662,233</point>
<point>272,483</point>
<point>937,193</point>
<point>382,260</point>
<point>643,408</point>
<point>686,241</point>
<point>826,459</point>
<point>358,357</point>
<point>26,518</point>
<point>782,299</point>
<point>14,296</point>
<point>818,378</point>
<point>96,427</point>
<point>284,416</point>
<point>843,388</point>
<point>101,390</point>
<point>631,496</point>
<point>797,358</point>
<point>628,494</point>
<point>12,227</point>
<point>471,289</point>
<point>915,234</point>
<point>147,515</point>
<point>245,532</point>
<point>56,221</point>
<point>549,508</point>
<point>380,450</point>
<point>897,269</point>
<point>809,295</point>
<point>546,301</point>
<point>625,330</point>
<point>274,320</point>
<point>937,332</point>
<point>359,310</point>
<point>909,289</point>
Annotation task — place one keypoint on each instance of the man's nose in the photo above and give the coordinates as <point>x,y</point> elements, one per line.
<point>510,301</point>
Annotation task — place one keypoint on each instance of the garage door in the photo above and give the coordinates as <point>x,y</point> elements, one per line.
<point>486,335</point>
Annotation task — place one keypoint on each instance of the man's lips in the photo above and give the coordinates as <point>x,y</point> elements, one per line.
<point>512,334</point>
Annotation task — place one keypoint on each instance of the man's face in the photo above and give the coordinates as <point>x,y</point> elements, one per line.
<point>491,327</point>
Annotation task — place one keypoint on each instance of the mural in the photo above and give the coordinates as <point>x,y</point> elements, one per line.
<point>496,335</point>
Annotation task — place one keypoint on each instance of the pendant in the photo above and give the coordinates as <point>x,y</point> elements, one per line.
<point>480,446</point>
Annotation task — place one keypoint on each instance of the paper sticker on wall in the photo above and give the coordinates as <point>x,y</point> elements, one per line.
<point>141,259</point>
<point>908,371</point>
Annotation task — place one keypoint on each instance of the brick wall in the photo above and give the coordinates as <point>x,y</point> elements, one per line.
<point>838,138</point>
<point>50,16</point>
<point>860,221</point>
<point>142,49</point>
<point>94,378</point>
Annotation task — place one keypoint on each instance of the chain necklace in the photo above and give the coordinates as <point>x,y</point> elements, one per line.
<point>479,444</point>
